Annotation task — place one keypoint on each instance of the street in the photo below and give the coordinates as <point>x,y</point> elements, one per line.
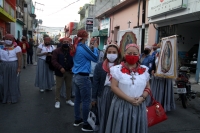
<point>35,113</point>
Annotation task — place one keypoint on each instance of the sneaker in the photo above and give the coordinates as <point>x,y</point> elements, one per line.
<point>57,105</point>
<point>78,122</point>
<point>87,128</point>
<point>41,90</point>
<point>70,103</point>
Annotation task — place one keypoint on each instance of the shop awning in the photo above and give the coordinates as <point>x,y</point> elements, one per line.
<point>5,16</point>
<point>103,32</point>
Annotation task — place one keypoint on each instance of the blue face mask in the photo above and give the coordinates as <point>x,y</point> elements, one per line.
<point>158,50</point>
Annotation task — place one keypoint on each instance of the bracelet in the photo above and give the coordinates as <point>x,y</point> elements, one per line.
<point>143,97</point>
<point>147,90</point>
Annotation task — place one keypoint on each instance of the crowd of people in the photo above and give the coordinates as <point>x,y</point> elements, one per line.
<point>116,84</point>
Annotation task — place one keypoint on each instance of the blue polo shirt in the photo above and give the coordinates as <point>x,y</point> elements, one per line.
<point>83,57</point>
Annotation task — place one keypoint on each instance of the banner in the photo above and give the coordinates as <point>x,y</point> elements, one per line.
<point>89,24</point>
<point>168,61</point>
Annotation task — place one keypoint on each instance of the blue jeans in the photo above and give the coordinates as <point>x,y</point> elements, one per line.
<point>82,85</point>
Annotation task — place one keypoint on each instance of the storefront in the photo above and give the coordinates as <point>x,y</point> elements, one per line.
<point>182,18</point>
<point>17,29</point>
<point>103,32</point>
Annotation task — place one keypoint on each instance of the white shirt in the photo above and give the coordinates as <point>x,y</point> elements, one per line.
<point>9,55</point>
<point>125,81</point>
<point>45,49</point>
<point>108,76</point>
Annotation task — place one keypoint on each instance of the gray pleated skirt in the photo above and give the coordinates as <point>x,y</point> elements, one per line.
<point>44,76</point>
<point>126,118</point>
<point>9,87</point>
<point>162,90</point>
<point>104,103</point>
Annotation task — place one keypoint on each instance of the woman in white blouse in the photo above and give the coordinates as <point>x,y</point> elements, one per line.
<point>10,67</point>
<point>130,84</point>
<point>44,76</point>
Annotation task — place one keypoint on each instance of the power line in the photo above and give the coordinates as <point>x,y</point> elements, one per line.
<point>64,7</point>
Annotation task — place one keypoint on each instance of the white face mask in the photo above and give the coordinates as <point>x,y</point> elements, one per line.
<point>8,42</point>
<point>112,57</point>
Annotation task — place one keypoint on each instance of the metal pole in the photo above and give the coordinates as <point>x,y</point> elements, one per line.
<point>143,25</point>
<point>27,23</point>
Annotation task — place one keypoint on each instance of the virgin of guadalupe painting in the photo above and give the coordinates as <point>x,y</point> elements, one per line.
<point>167,63</point>
<point>166,57</point>
<point>127,38</point>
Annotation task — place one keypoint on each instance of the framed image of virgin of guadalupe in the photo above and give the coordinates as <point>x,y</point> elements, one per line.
<point>127,38</point>
<point>167,64</point>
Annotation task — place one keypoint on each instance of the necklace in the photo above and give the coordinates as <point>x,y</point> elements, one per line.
<point>132,76</point>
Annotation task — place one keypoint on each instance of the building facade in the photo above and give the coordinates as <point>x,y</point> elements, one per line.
<point>182,18</point>
<point>124,16</point>
<point>18,26</point>
<point>7,15</point>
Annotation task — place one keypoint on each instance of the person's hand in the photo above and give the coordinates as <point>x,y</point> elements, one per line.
<point>138,101</point>
<point>132,100</point>
<point>62,70</point>
<point>95,45</point>
<point>152,72</point>
<point>93,103</point>
<point>45,53</point>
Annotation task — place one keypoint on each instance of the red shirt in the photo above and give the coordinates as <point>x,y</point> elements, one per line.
<point>24,46</point>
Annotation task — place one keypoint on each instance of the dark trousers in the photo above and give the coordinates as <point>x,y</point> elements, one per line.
<point>30,57</point>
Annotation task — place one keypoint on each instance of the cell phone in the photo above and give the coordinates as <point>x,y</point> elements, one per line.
<point>49,52</point>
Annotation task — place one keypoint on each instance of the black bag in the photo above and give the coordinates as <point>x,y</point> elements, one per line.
<point>48,61</point>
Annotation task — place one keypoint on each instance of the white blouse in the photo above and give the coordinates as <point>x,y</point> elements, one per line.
<point>108,76</point>
<point>45,49</point>
<point>126,84</point>
<point>9,55</point>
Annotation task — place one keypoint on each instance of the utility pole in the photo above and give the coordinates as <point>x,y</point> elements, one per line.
<point>143,25</point>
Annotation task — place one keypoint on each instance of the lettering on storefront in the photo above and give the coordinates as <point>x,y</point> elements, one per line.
<point>158,7</point>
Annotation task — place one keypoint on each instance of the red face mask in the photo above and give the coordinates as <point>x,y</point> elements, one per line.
<point>131,59</point>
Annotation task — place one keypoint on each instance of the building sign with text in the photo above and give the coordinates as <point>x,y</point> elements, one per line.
<point>105,24</point>
<point>89,24</point>
<point>158,7</point>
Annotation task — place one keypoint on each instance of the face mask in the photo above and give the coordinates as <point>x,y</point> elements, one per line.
<point>146,51</point>
<point>65,45</point>
<point>8,42</point>
<point>112,57</point>
<point>158,50</point>
<point>131,59</point>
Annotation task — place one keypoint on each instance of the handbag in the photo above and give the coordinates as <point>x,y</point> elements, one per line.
<point>93,118</point>
<point>155,112</point>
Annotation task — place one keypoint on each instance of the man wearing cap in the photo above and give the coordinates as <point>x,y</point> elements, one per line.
<point>146,59</point>
<point>82,57</point>
<point>63,63</point>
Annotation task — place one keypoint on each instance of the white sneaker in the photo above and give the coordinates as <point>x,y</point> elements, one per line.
<point>41,90</point>
<point>70,103</point>
<point>57,105</point>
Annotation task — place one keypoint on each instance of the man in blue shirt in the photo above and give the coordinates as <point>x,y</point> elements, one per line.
<point>146,59</point>
<point>82,67</point>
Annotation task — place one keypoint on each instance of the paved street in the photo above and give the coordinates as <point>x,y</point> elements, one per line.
<point>35,113</point>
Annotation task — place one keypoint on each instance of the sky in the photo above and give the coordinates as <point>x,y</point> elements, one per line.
<point>52,17</point>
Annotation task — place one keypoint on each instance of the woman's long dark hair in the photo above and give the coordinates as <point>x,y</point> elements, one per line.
<point>118,60</point>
